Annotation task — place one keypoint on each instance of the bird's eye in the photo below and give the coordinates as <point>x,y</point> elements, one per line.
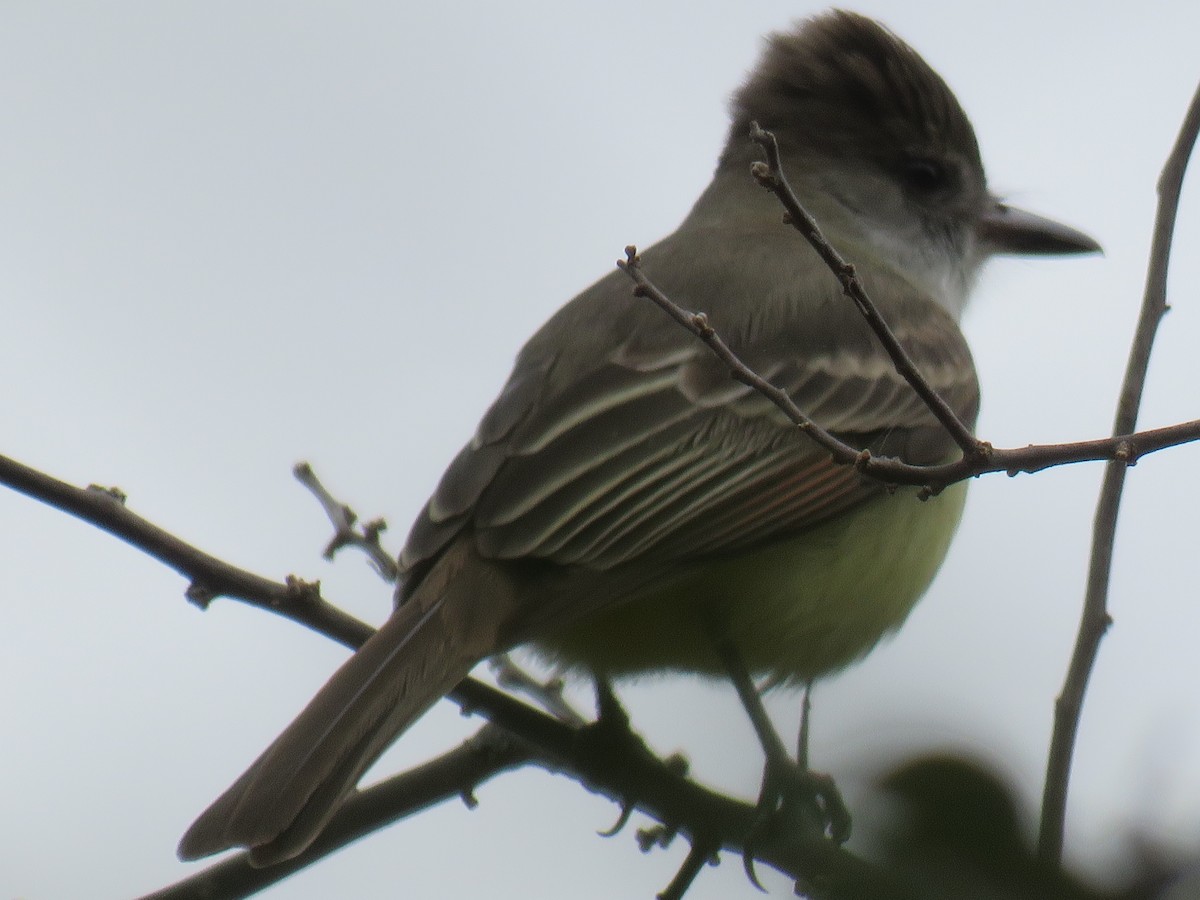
<point>925,175</point>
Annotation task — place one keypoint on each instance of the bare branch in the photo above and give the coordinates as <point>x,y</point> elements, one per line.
<point>1127,448</point>
<point>209,577</point>
<point>611,761</point>
<point>623,769</point>
<point>294,598</point>
<point>1095,619</point>
<point>771,176</point>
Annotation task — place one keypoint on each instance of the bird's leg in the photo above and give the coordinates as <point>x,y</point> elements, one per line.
<point>748,693</point>
<point>837,817</point>
<point>805,714</point>
<point>789,790</point>
<point>608,708</point>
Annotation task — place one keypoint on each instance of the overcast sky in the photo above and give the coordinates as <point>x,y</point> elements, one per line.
<point>234,235</point>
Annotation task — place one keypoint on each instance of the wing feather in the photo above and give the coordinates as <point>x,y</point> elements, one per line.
<point>630,437</point>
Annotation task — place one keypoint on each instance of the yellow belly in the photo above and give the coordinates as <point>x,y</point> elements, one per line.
<point>796,609</point>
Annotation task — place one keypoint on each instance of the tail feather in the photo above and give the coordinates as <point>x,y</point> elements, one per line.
<point>281,803</point>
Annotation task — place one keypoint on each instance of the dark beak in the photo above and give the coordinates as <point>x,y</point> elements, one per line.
<point>1006,229</point>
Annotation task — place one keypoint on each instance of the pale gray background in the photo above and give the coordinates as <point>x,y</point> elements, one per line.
<point>237,235</point>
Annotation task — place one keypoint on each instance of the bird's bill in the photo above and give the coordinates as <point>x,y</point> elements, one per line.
<point>1007,229</point>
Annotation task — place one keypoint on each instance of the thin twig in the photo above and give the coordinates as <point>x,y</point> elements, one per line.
<point>771,176</point>
<point>697,323</point>
<point>700,854</point>
<point>343,519</point>
<point>1128,448</point>
<point>546,694</point>
<point>1094,620</point>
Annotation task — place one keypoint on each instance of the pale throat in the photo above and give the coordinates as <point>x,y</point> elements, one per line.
<point>944,272</point>
<point>940,264</point>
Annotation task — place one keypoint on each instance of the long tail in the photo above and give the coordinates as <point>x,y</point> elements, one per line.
<point>281,803</point>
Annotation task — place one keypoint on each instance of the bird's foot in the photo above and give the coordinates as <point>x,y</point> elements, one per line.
<point>793,798</point>
<point>796,796</point>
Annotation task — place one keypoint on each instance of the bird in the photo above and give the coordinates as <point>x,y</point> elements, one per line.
<point>625,506</point>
